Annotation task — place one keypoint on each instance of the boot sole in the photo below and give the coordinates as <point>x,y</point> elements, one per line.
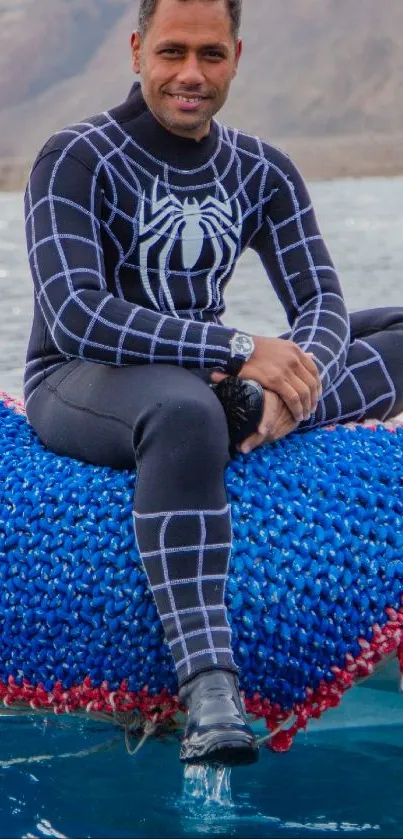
<point>219,748</point>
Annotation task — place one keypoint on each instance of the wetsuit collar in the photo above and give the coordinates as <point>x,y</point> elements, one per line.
<point>138,121</point>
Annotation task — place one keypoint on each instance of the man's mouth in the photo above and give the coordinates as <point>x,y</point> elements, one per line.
<point>188,102</point>
<point>194,100</point>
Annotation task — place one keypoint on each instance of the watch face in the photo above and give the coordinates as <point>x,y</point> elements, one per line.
<point>243,345</point>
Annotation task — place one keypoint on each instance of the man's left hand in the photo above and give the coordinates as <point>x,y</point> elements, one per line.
<point>276,422</point>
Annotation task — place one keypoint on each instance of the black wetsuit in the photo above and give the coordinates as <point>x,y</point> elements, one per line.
<point>133,234</point>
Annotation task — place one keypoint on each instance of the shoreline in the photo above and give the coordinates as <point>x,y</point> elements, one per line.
<point>13,174</point>
<point>319,159</point>
<point>333,158</point>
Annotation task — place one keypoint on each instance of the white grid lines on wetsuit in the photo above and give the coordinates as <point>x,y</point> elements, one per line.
<point>207,342</point>
<point>322,304</point>
<point>363,383</point>
<point>188,583</point>
<point>245,188</point>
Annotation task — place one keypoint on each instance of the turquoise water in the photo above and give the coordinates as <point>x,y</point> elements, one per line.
<point>342,778</point>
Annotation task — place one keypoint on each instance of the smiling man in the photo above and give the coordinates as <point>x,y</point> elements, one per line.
<point>186,63</point>
<point>135,220</point>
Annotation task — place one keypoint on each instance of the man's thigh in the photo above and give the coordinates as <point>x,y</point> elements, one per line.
<point>370,321</point>
<point>90,411</point>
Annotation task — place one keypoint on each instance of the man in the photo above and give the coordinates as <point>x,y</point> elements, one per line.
<point>135,220</point>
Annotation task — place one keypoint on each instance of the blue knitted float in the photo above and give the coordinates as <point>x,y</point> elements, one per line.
<point>314,592</point>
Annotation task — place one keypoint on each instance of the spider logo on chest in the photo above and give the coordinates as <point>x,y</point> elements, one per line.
<point>190,222</point>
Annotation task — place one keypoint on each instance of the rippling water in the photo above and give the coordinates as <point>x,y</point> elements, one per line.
<point>63,778</point>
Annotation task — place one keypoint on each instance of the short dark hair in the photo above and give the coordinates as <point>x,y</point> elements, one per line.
<point>148,7</point>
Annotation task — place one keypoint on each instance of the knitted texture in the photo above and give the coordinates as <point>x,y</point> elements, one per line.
<point>314,591</point>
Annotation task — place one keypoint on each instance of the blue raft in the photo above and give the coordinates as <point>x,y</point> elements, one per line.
<point>314,594</point>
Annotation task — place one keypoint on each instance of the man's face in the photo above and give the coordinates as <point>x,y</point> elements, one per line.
<point>187,61</point>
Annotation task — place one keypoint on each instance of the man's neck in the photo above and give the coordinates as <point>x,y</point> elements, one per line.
<point>197,135</point>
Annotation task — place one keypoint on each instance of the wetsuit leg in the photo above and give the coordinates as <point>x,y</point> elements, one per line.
<point>371,383</point>
<point>168,423</point>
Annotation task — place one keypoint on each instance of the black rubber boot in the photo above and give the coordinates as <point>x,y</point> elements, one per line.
<point>216,730</point>
<point>243,403</point>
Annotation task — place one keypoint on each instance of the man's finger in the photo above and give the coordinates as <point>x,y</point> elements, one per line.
<point>217,377</point>
<point>308,359</point>
<point>251,443</point>
<point>311,365</point>
<point>308,390</point>
<point>310,374</point>
<point>266,422</point>
<point>292,399</point>
<point>304,392</point>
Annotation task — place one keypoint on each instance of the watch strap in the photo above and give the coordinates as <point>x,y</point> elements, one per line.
<point>235,364</point>
<point>241,346</point>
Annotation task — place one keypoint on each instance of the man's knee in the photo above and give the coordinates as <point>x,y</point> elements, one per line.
<point>186,421</point>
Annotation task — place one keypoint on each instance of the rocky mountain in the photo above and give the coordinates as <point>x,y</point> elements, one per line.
<point>322,77</point>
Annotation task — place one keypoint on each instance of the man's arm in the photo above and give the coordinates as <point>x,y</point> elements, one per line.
<point>63,226</point>
<point>298,263</point>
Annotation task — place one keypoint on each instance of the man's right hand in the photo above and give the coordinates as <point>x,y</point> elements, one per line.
<point>281,366</point>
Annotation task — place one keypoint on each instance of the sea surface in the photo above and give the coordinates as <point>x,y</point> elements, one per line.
<point>63,778</point>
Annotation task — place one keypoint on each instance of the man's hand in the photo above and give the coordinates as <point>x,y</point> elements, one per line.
<point>282,367</point>
<point>276,422</point>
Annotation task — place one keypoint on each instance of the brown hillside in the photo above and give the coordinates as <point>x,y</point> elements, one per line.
<point>322,67</point>
<point>45,42</point>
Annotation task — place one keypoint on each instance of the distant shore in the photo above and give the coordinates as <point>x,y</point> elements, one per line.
<point>347,156</point>
<point>319,159</point>
<point>13,174</point>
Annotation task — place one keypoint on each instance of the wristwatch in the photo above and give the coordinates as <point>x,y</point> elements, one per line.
<point>242,347</point>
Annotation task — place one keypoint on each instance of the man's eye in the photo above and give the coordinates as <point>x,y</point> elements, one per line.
<point>214,54</point>
<point>170,51</point>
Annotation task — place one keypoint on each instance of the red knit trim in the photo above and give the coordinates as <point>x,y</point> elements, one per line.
<point>369,424</point>
<point>163,707</point>
<point>85,697</point>
<point>11,402</point>
<point>385,641</point>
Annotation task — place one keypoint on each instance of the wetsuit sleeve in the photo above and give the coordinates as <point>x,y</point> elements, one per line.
<point>63,205</point>
<point>302,273</point>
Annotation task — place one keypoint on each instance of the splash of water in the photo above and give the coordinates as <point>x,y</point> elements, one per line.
<point>210,783</point>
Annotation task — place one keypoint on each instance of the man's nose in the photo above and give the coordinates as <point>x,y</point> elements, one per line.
<point>190,72</point>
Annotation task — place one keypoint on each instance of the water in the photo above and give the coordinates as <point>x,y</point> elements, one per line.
<point>336,781</point>
<point>65,778</point>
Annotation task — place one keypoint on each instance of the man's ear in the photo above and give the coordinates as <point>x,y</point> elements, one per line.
<point>238,53</point>
<point>135,45</point>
